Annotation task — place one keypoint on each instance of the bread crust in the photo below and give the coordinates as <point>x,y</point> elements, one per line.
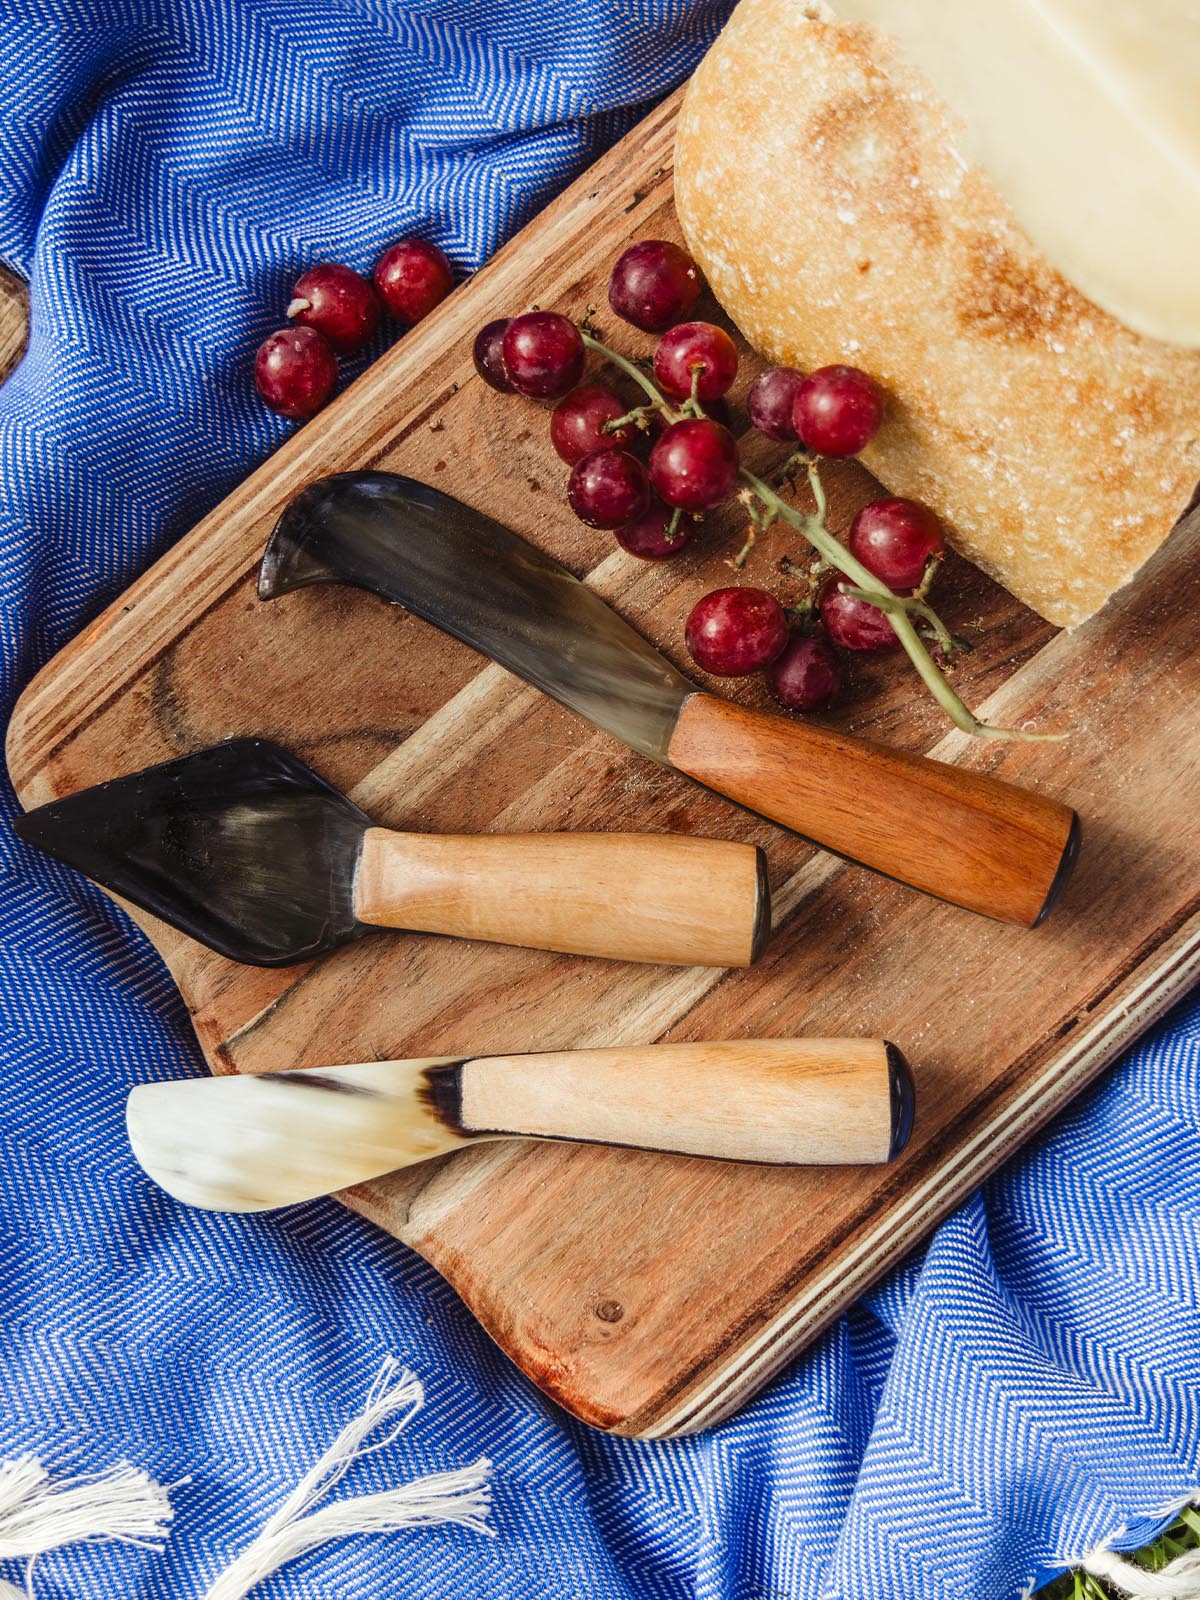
<point>821,188</point>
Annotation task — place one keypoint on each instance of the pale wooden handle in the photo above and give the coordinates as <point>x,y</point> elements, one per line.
<point>966,838</point>
<point>634,897</point>
<point>790,1101</point>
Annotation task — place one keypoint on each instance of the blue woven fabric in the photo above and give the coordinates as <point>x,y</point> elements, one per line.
<point>1024,1389</point>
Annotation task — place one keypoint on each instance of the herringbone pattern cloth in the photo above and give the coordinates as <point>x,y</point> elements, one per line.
<point>1026,1387</point>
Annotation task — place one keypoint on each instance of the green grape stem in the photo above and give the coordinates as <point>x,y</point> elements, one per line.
<point>866,586</point>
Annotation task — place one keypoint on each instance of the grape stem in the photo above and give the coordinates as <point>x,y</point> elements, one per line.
<point>632,370</point>
<point>864,584</point>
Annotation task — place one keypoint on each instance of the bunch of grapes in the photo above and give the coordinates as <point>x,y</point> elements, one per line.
<point>866,596</point>
<point>335,311</point>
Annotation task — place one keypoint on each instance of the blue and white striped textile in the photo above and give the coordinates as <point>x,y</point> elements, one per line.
<point>1025,1388</point>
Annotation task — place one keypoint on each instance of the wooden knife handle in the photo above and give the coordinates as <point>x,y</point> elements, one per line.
<point>963,837</point>
<point>790,1101</point>
<point>633,897</point>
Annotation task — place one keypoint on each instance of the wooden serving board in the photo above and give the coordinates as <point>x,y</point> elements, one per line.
<point>647,1294</point>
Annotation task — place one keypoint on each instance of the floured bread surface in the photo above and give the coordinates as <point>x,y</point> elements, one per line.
<point>821,189</point>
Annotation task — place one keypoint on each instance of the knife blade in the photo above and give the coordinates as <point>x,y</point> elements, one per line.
<point>486,585</point>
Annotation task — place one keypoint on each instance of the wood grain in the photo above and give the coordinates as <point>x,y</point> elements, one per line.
<point>632,897</point>
<point>649,1294</point>
<point>962,836</point>
<point>791,1101</point>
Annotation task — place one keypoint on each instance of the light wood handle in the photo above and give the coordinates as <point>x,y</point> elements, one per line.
<point>634,897</point>
<point>966,838</point>
<point>790,1101</point>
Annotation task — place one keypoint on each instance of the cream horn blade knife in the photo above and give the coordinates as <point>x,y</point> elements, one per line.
<point>257,1142</point>
<point>247,849</point>
<point>964,837</point>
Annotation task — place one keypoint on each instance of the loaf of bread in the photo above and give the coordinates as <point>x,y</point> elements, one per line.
<point>821,187</point>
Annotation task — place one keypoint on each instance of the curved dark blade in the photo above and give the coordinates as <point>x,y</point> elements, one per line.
<point>485,585</point>
<point>241,846</point>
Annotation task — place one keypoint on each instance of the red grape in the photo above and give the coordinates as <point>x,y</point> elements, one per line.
<point>489,355</point>
<point>412,277</point>
<point>856,624</point>
<point>608,489</point>
<point>646,537</point>
<point>654,284</point>
<point>772,403</point>
<point>337,302</point>
<point>838,411</point>
<point>577,424</point>
<point>295,371</point>
<point>690,345</point>
<point>543,354</point>
<point>807,675</point>
<point>694,464</point>
<point>895,539</point>
<point>735,631</point>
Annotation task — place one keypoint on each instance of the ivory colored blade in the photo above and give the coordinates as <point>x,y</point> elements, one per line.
<point>1086,116</point>
<point>256,1142</point>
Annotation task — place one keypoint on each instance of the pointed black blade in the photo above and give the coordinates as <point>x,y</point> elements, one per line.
<point>483,583</point>
<point>241,846</point>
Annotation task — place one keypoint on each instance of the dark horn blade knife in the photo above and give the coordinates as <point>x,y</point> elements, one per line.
<point>245,848</point>
<point>964,837</point>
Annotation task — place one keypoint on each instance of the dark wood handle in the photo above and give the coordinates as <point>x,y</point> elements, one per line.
<point>632,897</point>
<point>795,1101</point>
<point>963,837</point>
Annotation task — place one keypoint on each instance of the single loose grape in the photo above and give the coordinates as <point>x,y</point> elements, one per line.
<point>412,277</point>
<point>488,355</point>
<point>338,303</point>
<point>295,371</point>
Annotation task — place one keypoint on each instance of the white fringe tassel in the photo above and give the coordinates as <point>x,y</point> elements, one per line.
<point>462,1496</point>
<point>37,1515</point>
<point>1178,1580</point>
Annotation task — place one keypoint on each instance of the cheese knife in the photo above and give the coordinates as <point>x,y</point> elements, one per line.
<point>273,1139</point>
<point>247,849</point>
<point>967,838</point>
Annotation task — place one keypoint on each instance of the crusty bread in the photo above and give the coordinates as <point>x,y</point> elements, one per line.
<point>821,189</point>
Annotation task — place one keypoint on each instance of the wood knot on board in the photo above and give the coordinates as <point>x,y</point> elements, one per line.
<point>610,1310</point>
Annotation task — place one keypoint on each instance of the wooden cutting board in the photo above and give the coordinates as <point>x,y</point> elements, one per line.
<point>647,1294</point>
